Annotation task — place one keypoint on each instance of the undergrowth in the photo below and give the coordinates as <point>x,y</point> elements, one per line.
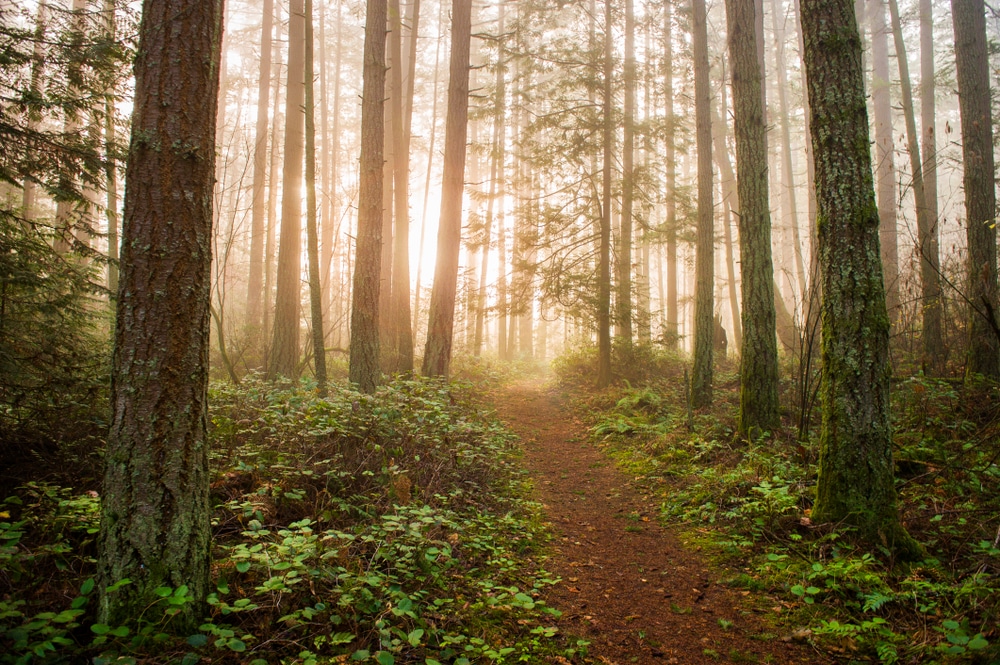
<point>750,503</point>
<point>391,528</point>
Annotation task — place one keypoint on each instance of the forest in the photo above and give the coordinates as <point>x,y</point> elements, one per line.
<point>528,331</point>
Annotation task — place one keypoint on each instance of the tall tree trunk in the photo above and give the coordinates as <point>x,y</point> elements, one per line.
<point>364,350</point>
<point>155,511</point>
<point>111,165</point>
<point>284,359</point>
<point>255,282</point>
<point>787,167</point>
<point>704,329</point>
<point>71,213</point>
<point>624,300</point>
<point>497,156</point>
<point>440,328</point>
<point>855,483</point>
<point>730,198</point>
<point>274,176</point>
<point>927,244</point>
<point>930,287</point>
<point>884,170</point>
<point>670,180</point>
<point>402,334</point>
<point>759,358</point>
<point>604,260</point>
<point>972,72</point>
<point>312,235</point>
<point>430,164</point>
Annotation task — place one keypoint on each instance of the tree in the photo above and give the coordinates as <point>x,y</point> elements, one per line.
<point>885,169</point>
<point>440,328</point>
<point>759,357</point>
<point>604,256</point>
<point>855,483</point>
<point>972,72</point>
<point>155,512</point>
<point>624,299</point>
<point>312,235</point>
<point>284,360</point>
<point>930,284</point>
<point>704,328</point>
<point>364,350</point>
<point>670,193</point>
<point>255,284</point>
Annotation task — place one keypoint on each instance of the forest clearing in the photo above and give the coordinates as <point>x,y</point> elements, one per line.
<point>444,332</point>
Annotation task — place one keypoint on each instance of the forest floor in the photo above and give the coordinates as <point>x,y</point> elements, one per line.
<point>633,588</point>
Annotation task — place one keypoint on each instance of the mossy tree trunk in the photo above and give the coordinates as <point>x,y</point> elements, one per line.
<point>759,357</point>
<point>155,513</point>
<point>972,73</point>
<point>255,280</point>
<point>604,244</point>
<point>364,346</point>
<point>704,328</point>
<point>855,484</point>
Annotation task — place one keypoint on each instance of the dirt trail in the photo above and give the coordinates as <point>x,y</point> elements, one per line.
<point>629,586</point>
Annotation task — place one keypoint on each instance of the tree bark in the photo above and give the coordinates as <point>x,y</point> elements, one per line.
<point>855,483</point>
<point>155,510</point>
<point>624,299</point>
<point>759,358</point>
<point>704,328</point>
<point>363,368</point>
<point>284,360</point>
<point>440,328</point>
<point>972,72</point>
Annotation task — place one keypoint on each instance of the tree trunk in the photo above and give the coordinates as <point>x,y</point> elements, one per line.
<point>155,511</point>
<point>670,181</point>
<point>930,260</point>
<point>855,483</point>
<point>402,334</point>
<point>624,300</point>
<point>29,191</point>
<point>604,260</point>
<point>284,360</point>
<point>312,235</point>
<point>972,73</point>
<point>704,329</point>
<point>759,358</point>
<point>730,198</point>
<point>111,166</point>
<point>497,156</point>
<point>884,170</point>
<point>440,328</point>
<point>255,282</point>
<point>930,286</point>
<point>274,177</point>
<point>364,350</point>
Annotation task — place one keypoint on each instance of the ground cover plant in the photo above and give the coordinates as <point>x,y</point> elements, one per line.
<point>388,528</point>
<point>749,503</point>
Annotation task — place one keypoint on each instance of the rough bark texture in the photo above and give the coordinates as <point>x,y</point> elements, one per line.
<point>364,349</point>
<point>930,259</point>
<point>972,72</point>
<point>255,283</point>
<point>759,357</point>
<point>440,328</point>
<point>284,360</point>
<point>704,328</point>
<point>855,482</point>
<point>155,510</point>
<point>604,251</point>
<point>885,171</point>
